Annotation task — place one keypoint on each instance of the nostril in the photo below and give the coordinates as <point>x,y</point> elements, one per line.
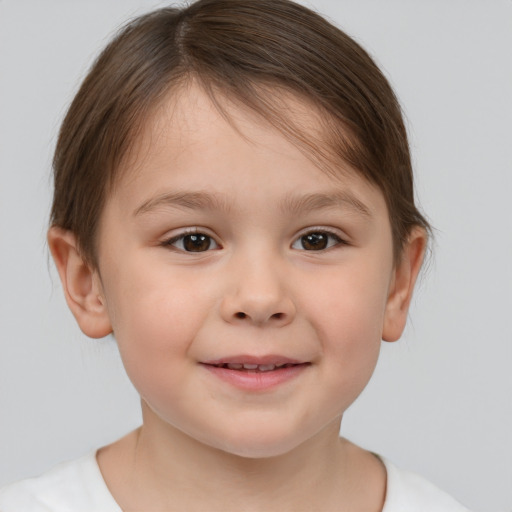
<point>240,315</point>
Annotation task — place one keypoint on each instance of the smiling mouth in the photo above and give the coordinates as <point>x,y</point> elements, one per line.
<point>256,374</point>
<point>255,368</point>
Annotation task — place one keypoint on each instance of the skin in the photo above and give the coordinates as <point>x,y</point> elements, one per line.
<point>259,289</point>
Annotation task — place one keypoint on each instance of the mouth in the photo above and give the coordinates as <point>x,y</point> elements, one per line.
<point>253,367</point>
<point>256,374</point>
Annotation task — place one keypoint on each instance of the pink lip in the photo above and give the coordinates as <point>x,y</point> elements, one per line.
<point>254,380</point>
<point>247,359</point>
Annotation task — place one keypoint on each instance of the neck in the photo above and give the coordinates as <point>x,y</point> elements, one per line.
<point>176,472</point>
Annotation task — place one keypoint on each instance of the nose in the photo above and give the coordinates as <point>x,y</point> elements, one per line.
<point>258,295</point>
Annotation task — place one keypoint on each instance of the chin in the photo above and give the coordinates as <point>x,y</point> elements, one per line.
<point>257,451</point>
<point>258,445</point>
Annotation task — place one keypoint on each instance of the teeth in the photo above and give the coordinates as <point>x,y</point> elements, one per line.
<point>266,367</point>
<point>247,366</point>
<point>252,367</point>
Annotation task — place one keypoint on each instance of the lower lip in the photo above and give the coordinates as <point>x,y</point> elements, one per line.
<point>256,381</point>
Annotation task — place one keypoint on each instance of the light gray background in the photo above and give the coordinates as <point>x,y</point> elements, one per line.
<point>440,402</point>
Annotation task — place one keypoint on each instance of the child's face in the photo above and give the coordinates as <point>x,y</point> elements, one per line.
<point>225,246</point>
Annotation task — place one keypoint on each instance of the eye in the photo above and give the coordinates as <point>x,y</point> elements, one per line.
<point>192,242</point>
<point>317,241</point>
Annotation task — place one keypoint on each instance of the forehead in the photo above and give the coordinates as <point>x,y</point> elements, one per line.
<point>190,108</point>
<point>215,134</point>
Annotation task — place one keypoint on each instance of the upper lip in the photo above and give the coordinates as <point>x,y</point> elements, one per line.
<point>276,360</point>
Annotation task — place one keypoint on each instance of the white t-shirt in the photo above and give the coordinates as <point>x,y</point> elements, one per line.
<point>78,486</point>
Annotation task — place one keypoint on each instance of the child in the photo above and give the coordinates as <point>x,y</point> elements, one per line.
<point>234,203</point>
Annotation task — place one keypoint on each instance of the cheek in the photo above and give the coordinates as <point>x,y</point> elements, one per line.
<point>155,319</point>
<point>347,315</point>
<point>349,306</point>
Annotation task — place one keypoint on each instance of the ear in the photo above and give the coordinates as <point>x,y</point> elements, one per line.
<point>402,285</point>
<point>81,284</point>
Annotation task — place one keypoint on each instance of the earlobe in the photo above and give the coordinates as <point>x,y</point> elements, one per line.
<point>402,285</point>
<point>81,284</point>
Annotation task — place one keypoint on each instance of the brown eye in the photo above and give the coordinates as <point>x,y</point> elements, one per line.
<point>193,242</point>
<point>314,241</point>
<point>196,243</point>
<point>317,241</point>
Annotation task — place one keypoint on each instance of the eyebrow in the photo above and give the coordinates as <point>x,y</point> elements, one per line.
<point>189,200</point>
<point>319,201</point>
<point>292,204</point>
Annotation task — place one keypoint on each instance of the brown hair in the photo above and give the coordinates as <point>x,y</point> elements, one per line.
<point>242,49</point>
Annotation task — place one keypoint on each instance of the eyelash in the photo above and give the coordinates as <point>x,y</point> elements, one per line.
<point>189,233</point>
<point>331,237</point>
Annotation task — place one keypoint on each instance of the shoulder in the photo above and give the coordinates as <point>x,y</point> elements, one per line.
<point>408,491</point>
<point>76,485</point>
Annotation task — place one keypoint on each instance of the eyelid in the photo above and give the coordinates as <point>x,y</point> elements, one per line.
<point>334,233</point>
<point>170,241</point>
